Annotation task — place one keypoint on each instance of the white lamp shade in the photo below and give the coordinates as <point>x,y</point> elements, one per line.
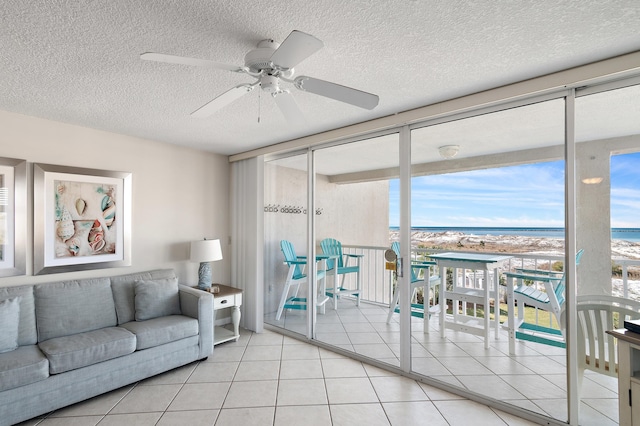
<point>206,251</point>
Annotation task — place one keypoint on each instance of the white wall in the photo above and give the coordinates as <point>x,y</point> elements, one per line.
<point>179,194</point>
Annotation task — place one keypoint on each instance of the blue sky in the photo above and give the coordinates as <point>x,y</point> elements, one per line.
<point>520,196</point>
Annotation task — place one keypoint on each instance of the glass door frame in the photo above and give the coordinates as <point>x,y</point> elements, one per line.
<point>404,281</point>
<point>312,266</point>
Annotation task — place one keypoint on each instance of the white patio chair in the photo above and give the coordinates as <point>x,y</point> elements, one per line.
<point>597,350</point>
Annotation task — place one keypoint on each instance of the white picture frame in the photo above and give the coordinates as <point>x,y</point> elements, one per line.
<point>13,216</point>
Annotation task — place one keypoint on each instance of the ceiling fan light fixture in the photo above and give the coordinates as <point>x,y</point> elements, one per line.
<point>448,151</point>
<point>260,57</point>
<point>269,84</point>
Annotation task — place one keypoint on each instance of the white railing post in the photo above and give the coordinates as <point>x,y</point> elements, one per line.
<point>625,281</point>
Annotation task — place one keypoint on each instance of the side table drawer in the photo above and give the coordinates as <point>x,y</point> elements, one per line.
<point>223,302</point>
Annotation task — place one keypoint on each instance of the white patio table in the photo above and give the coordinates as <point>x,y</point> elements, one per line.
<point>461,293</point>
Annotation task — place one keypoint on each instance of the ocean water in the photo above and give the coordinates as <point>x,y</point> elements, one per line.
<point>627,234</point>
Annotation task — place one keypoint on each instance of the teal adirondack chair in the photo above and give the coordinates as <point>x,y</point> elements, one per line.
<point>340,266</point>
<point>417,309</point>
<point>550,300</point>
<point>295,277</point>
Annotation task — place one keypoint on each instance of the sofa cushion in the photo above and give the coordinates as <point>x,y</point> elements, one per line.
<point>27,325</point>
<point>72,307</point>
<point>10,320</point>
<point>123,288</point>
<point>159,331</point>
<point>25,365</point>
<point>79,350</point>
<point>156,298</point>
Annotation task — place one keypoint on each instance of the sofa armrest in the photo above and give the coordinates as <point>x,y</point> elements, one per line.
<point>198,304</point>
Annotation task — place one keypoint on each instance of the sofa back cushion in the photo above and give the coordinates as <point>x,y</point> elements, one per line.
<point>27,323</point>
<point>156,298</point>
<point>71,307</point>
<point>10,319</point>
<point>123,287</point>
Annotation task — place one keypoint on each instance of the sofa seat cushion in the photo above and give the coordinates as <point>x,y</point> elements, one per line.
<point>25,365</point>
<point>158,331</point>
<point>79,350</point>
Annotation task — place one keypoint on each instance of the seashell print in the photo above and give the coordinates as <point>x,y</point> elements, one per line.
<point>96,237</point>
<point>81,206</point>
<point>66,229</point>
<point>108,210</point>
<point>106,202</point>
<point>74,246</point>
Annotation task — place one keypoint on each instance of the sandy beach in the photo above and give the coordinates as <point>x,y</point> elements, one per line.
<point>459,241</point>
<point>453,240</point>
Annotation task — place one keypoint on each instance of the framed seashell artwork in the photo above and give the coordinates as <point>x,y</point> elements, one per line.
<point>13,216</point>
<point>82,219</point>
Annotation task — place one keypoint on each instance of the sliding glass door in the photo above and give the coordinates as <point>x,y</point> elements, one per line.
<point>487,201</point>
<point>506,219</point>
<point>354,207</point>
<point>608,230</point>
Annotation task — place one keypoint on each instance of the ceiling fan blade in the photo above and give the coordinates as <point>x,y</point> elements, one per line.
<point>223,100</point>
<point>297,47</point>
<point>173,59</point>
<point>335,91</point>
<point>289,107</point>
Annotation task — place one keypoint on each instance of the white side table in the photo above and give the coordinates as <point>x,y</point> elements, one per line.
<point>628,376</point>
<point>228,297</point>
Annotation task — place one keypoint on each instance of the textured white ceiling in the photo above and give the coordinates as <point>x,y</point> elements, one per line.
<point>78,62</point>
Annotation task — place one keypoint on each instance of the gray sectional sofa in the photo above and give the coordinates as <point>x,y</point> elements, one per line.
<point>64,342</point>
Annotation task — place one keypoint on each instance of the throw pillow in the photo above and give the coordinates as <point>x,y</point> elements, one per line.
<point>156,298</point>
<point>10,320</point>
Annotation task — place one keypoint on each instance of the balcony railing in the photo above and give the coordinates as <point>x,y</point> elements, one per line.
<point>377,282</point>
<point>626,291</point>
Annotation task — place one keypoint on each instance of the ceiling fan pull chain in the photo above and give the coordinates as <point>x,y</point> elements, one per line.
<point>259,104</point>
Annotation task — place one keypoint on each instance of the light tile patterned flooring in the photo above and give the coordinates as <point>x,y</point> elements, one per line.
<point>271,379</point>
<point>534,379</point>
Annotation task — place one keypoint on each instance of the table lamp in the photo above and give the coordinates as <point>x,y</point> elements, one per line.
<point>205,251</point>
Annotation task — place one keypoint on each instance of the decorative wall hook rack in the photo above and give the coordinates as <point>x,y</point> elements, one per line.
<point>276,208</point>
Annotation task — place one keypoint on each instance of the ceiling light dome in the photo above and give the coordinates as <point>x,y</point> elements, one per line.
<point>449,151</point>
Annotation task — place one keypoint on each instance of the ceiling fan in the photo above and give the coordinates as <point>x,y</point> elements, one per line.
<point>270,63</point>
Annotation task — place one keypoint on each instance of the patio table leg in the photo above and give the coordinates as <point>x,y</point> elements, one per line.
<point>511,323</point>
